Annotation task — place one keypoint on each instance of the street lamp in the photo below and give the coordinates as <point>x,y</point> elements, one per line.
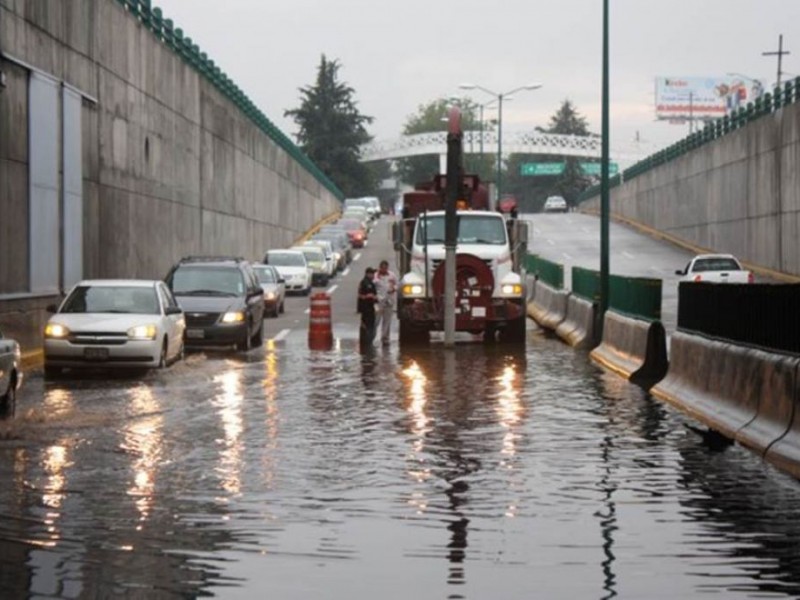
<point>499,97</point>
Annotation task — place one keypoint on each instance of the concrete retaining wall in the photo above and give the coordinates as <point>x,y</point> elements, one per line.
<point>747,394</point>
<point>738,194</point>
<point>549,305</point>
<point>634,348</point>
<point>577,328</point>
<point>170,166</point>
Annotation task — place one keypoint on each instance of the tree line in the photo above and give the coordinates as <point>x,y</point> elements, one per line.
<point>331,131</point>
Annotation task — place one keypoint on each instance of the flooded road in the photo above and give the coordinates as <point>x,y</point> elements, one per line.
<point>430,474</point>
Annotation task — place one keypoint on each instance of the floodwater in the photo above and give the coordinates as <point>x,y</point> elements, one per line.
<point>427,474</point>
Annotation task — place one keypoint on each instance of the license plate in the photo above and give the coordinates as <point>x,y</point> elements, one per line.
<point>195,334</point>
<point>95,353</point>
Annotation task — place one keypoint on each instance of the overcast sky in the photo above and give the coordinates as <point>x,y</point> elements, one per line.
<point>399,55</point>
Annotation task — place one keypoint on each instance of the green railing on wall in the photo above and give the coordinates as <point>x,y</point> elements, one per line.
<point>635,296</point>
<point>550,272</point>
<point>765,105</point>
<point>173,37</point>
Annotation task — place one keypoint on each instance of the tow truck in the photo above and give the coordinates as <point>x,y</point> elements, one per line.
<point>490,293</point>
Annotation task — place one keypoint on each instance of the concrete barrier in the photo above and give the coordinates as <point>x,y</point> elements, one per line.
<point>784,453</point>
<point>634,348</point>
<point>747,394</point>
<point>549,305</point>
<point>577,329</point>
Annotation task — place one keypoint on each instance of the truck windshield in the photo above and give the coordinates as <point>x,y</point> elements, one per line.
<point>472,229</point>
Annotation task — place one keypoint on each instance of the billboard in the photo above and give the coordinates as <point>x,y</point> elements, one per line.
<point>703,97</point>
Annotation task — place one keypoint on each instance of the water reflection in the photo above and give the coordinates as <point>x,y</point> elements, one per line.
<point>457,402</point>
<point>272,413</point>
<point>229,407</point>
<point>143,438</point>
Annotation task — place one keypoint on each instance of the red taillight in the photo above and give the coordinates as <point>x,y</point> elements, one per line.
<point>750,277</point>
<point>698,278</point>
<point>359,235</point>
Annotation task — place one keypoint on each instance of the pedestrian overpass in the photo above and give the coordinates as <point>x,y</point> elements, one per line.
<point>477,142</point>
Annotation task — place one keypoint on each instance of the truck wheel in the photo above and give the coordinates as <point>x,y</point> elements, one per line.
<point>409,336</point>
<point>514,332</point>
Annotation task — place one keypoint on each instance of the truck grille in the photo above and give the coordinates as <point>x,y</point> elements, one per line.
<point>436,262</point>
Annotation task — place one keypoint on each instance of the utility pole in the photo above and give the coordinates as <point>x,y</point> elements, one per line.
<point>604,189</point>
<point>780,54</point>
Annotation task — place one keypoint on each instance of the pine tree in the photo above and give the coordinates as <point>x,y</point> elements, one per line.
<point>332,130</point>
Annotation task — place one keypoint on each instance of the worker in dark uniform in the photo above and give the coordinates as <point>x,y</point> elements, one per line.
<point>367,297</point>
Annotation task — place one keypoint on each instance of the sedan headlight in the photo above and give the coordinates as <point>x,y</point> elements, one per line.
<point>143,332</point>
<point>413,289</point>
<point>233,317</point>
<point>511,289</point>
<point>55,331</point>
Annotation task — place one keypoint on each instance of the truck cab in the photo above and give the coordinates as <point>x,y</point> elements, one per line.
<point>490,280</point>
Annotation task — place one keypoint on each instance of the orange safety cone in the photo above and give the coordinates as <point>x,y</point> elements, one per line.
<point>320,332</point>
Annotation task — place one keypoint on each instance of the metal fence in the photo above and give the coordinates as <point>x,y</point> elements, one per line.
<point>173,38</point>
<point>765,105</point>
<point>547,271</point>
<point>636,296</point>
<point>761,314</point>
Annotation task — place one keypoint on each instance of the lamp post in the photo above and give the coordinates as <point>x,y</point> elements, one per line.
<point>499,98</point>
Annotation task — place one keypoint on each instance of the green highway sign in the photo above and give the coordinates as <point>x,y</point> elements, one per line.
<point>594,168</point>
<point>534,169</point>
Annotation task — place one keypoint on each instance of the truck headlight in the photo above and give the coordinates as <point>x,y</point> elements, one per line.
<point>269,295</point>
<point>233,317</point>
<point>143,332</point>
<point>55,331</point>
<point>511,289</point>
<point>412,289</point>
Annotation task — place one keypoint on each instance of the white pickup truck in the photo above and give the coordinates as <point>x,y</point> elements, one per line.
<point>716,268</point>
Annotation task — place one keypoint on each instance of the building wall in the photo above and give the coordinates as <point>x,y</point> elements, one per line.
<point>170,166</point>
<point>738,194</point>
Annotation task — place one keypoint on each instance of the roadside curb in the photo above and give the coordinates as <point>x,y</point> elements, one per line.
<point>33,359</point>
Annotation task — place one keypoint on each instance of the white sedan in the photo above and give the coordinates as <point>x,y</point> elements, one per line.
<point>114,323</point>
<point>10,374</point>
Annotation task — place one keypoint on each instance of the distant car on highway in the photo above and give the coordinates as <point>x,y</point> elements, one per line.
<point>716,268</point>
<point>274,287</point>
<point>10,374</point>
<point>355,231</point>
<point>114,323</point>
<point>555,204</point>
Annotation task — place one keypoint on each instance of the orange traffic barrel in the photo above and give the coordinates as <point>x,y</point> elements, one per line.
<point>320,332</point>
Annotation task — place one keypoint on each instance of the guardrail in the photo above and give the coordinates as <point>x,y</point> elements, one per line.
<point>173,37</point>
<point>765,105</point>
<point>757,314</point>
<point>550,272</point>
<point>636,296</point>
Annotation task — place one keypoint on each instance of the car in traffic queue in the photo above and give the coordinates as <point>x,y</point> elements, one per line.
<point>332,258</point>
<point>274,287</point>
<point>716,268</point>
<point>222,300</point>
<point>337,235</point>
<point>555,204</point>
<point>360,213</point>
<point>355,231</point>
<point>114,323</point>
<point>315,257</point>
<point>293,267</point>
<point>10,374</point>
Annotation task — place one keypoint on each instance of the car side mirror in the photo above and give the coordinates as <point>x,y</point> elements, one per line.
<point>679,272</point>
<point>281,280</point>
<point>173,310</point>
<point>51,308</point>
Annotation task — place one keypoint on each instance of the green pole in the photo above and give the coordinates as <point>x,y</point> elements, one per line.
<point>604,192</point>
